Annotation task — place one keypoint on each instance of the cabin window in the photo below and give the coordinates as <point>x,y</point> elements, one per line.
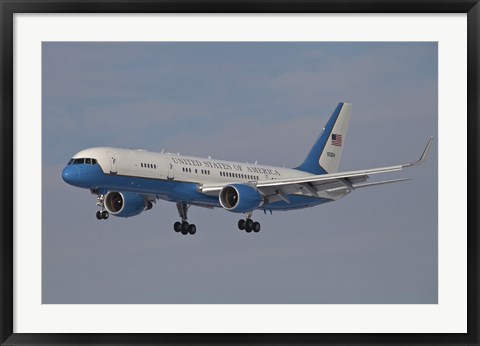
<point>195,170</point>
<point>78,161</point>
<point>94,162</point>
<point>155,165</point>
<point>70,162</point>
<point>88,161</point>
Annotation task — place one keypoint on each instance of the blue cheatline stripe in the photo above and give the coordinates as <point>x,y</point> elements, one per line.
<point>311,164</point>
<point>92,177</point>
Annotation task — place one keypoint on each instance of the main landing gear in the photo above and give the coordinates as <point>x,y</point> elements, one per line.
<point>184,227</point>
<point>248,224</point>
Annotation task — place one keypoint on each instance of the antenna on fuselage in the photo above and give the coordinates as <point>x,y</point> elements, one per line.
<point>255,161</point>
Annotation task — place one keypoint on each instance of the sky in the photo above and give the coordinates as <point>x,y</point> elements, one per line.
<point>243,101</point>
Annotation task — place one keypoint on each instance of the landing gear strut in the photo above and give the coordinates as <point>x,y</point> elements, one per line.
<point>101,214</point>
<point>184,227</point>
<point>248,224</point>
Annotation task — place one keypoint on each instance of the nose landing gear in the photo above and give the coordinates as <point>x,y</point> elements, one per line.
<point>102,215</point>
<point>184,227</point>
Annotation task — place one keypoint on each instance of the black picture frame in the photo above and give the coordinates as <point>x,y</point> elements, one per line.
<point>10,7</point>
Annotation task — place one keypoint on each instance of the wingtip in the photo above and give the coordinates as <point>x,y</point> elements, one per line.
<point>424,155</point>
<point>427,149</point>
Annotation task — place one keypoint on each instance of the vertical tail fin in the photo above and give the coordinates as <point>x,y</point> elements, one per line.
<point>325,155</point>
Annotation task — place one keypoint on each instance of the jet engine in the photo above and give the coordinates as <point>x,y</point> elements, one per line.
<point>240,198</point>
<point>126,204</point>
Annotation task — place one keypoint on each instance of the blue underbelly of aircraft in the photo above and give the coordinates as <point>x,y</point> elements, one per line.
<point>92,177</point>
<point>296,202</point>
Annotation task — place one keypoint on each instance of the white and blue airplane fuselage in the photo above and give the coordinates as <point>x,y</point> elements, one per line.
<point>128,181</point>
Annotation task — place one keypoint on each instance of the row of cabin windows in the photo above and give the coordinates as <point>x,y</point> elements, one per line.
<point>189,170</point>
<point>239,175</point>
<point>86,161</point>
<point>148,165</point>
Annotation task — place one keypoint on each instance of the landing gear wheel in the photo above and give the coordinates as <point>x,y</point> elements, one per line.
<point>192,229</point>
<point>99,215</point>
<point>249,224</point>
<point>105,214</point>
<point>256,227</point>
<point>177,226</point>
<point>184,227</point>
<point>241,224</point>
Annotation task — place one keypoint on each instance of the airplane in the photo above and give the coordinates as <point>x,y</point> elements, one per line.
<point>128,181</point>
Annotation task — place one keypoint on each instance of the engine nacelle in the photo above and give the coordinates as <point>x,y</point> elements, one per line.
<point>125,204</point>
<point>240,198</point>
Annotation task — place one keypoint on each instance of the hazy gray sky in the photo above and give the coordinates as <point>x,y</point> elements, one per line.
<point>242,102</point>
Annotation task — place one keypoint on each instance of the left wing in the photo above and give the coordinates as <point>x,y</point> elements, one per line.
<point>313,184</point>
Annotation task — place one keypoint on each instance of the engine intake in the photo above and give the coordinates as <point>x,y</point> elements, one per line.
<point>125,204</point>
<point>240,198</point>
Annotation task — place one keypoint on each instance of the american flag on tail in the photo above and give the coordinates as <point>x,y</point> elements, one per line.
<point>336,140</point>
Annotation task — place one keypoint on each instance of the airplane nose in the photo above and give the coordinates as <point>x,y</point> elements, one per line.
<point>70,174</point>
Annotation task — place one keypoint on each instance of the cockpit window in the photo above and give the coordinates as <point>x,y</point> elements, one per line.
<point>87,161</point>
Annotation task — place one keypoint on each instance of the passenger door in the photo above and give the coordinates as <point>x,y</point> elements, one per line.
<point>170,175</point>
<point>113,162</point>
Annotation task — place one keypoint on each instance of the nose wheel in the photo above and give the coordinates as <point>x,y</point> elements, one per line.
<point>102,215</point>
<point>184,227</point>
